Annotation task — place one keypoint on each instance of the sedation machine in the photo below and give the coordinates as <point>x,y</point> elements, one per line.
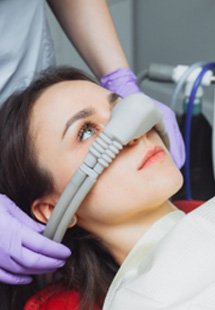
<point>131,118</point>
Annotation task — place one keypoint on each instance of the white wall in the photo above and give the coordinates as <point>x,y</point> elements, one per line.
<point>174,32</point>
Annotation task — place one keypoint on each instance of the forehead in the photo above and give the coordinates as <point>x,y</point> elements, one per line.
<point>71,92</point>
<point>66,95</point>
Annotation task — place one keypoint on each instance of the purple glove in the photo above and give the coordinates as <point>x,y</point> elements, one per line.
<point>124,83</point>
<point>23,250</point>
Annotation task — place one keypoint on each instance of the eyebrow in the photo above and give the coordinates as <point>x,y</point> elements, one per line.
<point>82,114</point>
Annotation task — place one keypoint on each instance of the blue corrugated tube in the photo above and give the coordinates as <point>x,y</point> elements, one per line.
<point>188,123</point>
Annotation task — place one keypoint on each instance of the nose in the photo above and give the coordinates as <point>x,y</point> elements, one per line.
<point>132,142</point>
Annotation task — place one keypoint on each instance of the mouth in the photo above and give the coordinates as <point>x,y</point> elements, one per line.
<point>151,157</point>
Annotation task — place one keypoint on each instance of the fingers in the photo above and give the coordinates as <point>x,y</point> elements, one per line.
<point>23,218</point>
<point>13,279</point>
<point>36,263</point>
<point>23,250</point>
<point>40,244</point>
<point>10,210</point>
<point>5,201</point>
<point>29,264</point>
<point>177,148</point>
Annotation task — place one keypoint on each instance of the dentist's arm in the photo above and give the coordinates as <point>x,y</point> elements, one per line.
<point>89,26</point>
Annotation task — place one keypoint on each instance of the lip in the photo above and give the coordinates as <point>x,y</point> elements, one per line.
<point>151,156</point>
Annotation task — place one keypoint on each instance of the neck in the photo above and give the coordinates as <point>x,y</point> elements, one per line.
<point>121,239</point>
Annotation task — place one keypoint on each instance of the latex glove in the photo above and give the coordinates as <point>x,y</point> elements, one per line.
<point>124,83</point>
<point>23,250</point>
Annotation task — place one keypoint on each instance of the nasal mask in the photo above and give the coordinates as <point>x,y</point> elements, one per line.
<point>130,119</point>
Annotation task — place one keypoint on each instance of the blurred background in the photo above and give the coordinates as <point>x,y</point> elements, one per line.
<point>154,31</point>
<point>168,32</point>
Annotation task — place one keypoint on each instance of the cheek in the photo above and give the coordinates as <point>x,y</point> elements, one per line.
<point>105,200</point>
<point>123,192</point>
<point>165,182</point>
<point>64,166</point>
<point>126,187</point>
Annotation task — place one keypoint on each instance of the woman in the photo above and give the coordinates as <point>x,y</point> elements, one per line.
<point>48,129</point>
<point>88,25</point>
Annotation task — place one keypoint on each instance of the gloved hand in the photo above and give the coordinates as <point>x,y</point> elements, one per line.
<point>23,250</point>
<point>124,83</point>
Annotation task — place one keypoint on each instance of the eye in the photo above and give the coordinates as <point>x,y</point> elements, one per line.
<point>87,131</point>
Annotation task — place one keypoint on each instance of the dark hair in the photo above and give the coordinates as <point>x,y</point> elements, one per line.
<point>91,268</point>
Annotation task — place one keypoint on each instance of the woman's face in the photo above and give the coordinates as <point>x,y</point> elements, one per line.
<point>65,120</point>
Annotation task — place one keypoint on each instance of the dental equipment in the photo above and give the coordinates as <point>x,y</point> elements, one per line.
<point>197,83</point>
<point>173,74</point>
<point>179,75</point>
<point>131,118</point>
<point>198,74</point>
<point>183,80</point>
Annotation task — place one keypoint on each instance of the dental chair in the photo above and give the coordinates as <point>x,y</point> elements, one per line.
<point>54,297</point>
<point>188,205</point>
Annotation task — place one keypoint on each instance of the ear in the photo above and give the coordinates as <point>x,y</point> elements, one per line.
<point>42,209</point>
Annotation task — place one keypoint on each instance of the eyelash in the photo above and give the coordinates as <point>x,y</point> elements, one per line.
<point>86,126</point>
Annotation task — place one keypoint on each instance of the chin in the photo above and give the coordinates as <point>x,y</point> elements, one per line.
<point>169,180</point>
<point>174,182</point>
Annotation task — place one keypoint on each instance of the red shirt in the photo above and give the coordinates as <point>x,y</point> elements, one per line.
<point>54,297</point>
